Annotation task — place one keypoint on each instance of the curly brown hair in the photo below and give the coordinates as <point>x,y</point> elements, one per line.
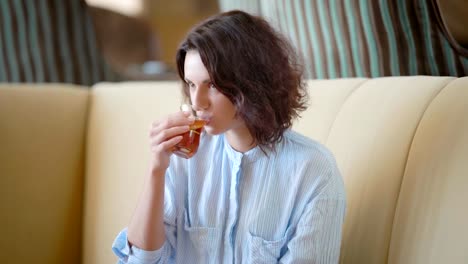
<point>255,67</point>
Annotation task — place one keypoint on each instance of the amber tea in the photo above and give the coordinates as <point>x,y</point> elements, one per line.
<point>188,146</point>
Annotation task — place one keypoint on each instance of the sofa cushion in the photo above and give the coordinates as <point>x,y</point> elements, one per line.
<point>430,220</point>
<point>371,136</point>
<point>42,132</point>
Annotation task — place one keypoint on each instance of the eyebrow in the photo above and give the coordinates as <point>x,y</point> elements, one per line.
<point>204,82</point>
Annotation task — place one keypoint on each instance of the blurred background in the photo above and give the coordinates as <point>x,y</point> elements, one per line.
<point>89,41</point>
<point>139,38</point>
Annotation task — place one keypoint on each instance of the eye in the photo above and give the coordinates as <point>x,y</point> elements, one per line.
<point>190,85</point>
<point>212,86</point>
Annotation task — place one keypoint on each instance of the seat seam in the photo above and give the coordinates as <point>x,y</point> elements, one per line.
<point>355,88</point>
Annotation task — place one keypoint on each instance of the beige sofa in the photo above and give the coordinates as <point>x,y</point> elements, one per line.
<point>72,161</point>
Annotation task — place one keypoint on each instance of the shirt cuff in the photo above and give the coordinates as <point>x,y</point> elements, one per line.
<point>132,254</point>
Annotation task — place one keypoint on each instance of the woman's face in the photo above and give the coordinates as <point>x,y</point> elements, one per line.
<point>209,103</point>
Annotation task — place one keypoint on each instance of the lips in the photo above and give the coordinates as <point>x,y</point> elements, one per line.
<point>206,118</point>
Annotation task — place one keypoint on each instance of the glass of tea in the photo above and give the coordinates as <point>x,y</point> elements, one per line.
<point>188,146</point>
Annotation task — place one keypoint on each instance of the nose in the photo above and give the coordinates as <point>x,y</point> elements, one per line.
<point>199,99</point>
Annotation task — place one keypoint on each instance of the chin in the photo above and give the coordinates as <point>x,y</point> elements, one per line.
<point>212,131</point>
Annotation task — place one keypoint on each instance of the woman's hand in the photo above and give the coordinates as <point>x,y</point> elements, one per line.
<point>164,135</point>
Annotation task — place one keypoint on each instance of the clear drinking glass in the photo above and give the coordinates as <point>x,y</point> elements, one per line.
<point>188,146</point>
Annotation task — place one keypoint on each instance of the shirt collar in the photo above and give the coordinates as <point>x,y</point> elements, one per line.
<point>249,156</point>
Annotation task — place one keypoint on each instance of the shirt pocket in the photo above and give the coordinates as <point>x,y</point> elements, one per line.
<point>204,241</point>
<point>265,251</point>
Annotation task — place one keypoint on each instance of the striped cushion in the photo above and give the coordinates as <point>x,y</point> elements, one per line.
<point>367,38</point>
<point>49,41</point>
<point>250,6</point>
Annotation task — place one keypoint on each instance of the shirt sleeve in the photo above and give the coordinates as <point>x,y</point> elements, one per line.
<point>132,254</point>
<point>317,238</point>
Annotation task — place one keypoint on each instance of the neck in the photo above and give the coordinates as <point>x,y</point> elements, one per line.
<point>240,139</point>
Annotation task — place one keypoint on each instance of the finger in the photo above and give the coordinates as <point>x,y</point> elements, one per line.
<point>161,136</point>
<point>169,132</point>
<point>169,144</point>
<point>166,145</point>
<point>177,119</point>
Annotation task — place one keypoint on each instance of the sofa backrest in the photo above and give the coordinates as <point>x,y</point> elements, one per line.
<point>371,136</point>
<point>380,130</point>
<point>401,144</point>
<point>371,125</point>
<point>431,215</point>
<point>42,146</point>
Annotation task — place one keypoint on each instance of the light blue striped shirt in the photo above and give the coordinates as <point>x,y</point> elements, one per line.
<point>223,206</point>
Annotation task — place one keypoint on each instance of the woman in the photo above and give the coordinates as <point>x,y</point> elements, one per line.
<point>256,192</point>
